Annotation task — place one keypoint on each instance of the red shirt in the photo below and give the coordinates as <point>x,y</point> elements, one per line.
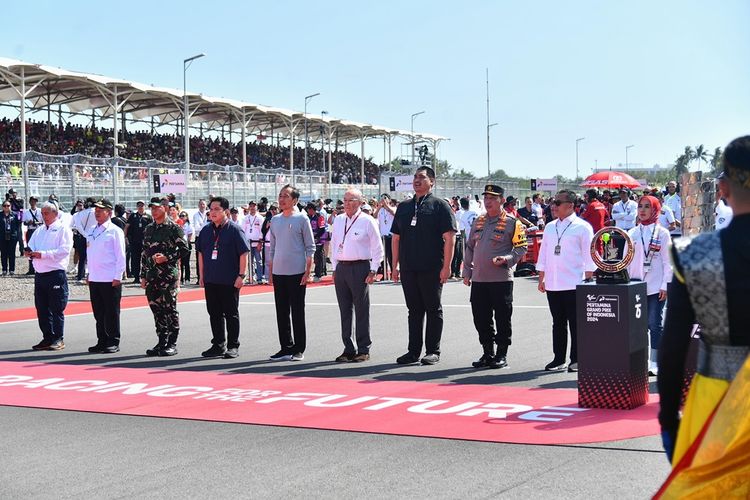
<point>595,214</point>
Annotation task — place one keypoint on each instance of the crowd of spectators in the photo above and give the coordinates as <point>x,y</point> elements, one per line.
<point>71,139</point>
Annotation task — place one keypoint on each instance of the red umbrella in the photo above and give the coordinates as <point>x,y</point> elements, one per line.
<point>610,179</point>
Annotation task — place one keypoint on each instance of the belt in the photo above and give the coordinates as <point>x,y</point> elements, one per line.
<point>56,271</point>
<point>353,262</point>
<point>721,361</point>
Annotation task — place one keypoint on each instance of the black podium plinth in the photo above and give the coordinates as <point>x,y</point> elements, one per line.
<point>612,345</point>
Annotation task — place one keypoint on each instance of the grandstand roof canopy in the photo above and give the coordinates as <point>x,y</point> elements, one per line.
<point>47,85</point>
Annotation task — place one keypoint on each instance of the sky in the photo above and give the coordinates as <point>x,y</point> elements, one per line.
<point>658,75</point>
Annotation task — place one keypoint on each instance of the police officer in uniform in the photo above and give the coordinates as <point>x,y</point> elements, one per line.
<point>496,243</point>
<point>137,222</point>
<point>163,246</point>
<point>711,287</point>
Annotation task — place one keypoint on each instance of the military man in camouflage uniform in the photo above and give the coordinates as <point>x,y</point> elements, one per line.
<point>163,245</point>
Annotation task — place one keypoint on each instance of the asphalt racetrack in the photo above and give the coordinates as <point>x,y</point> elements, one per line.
<point>252,428</point>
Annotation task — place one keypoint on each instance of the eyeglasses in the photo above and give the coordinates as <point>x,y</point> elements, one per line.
<point>6,206</point>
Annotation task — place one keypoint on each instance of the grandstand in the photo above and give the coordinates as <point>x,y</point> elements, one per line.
<point>277,132</point>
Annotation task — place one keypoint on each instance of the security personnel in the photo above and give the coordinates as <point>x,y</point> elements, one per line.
<point>711,287</point>
<point>497,242</point>
<point>137,222</point>
<point>163,246</point>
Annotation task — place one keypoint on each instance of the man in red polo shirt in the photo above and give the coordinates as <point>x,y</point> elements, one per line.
<point>596,213</point>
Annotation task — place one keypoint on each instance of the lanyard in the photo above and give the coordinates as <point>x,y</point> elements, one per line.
<point>100,232</point>
<point>559,236</point>
<point>217,234</point>
<point>347,229</point>
<point>647,250</point>
<point>418,204</point>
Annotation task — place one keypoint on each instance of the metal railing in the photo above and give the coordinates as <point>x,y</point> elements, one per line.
<point>73,177</point>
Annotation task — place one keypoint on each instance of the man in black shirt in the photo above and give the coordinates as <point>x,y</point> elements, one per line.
<point>136,223</point>
<point>423,230</point>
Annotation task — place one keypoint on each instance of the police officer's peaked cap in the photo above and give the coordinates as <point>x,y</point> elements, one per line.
<point>103,203</point>
<point>493,189</point>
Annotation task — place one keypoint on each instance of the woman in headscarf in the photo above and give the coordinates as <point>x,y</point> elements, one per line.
<point>651,264</point>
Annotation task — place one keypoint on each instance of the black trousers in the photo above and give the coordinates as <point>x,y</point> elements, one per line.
<point>223,305</point>
<point>353,296</point>
<point>81,247</point>
<point>50,300</point>
<point>562,305</point>
<point>458,256</point>
<point>320,260</point>
<point>488,300</point>
<point>136,249</point>
<point>197,258</point>
<point>422,291</point>
<point>185,266</point>
<point>105,302</point>
<point>289,296</point>
<point>8,255</point>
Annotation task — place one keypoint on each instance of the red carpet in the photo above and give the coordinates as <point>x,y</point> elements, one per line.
<point>130,302</point>
<point>472,412</point>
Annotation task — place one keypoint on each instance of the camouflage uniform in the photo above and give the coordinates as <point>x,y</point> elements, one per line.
<point>161,279</point>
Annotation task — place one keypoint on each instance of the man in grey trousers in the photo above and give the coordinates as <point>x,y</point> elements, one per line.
<point>356,253</point>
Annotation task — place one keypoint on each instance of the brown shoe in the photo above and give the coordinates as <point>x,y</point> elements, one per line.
<point>56,346</point>
<point>345,358</point>
<point>361,357</point>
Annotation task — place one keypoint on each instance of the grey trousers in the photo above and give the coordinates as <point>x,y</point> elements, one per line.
<point>353,295</point>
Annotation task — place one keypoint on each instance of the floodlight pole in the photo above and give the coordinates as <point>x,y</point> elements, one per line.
<point>307,98</point>
<point>577,141</point>
<point>323,153</point>
<point>186,112</point>
<point>413,142</point>
<point>489,126</point>
<point>626,157</point>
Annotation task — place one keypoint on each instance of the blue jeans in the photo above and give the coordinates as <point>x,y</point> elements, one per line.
<point>257,261</point>
<point>655,310</point>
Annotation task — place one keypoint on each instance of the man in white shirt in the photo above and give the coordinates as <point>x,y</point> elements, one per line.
<point>356,253</point>
<point>385,212</point>
<point>666,217</point>
<point>723,213</point>
<point>32,219</point>
<point>673,201</point>
<point>625,211</point>
<point>50,247</point>
<point>82,223</point>
<point>251,225</point>
<point>200,219</point>
<point>106,249</point>
<point>564,261</point>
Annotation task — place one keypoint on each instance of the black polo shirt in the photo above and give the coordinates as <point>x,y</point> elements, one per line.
<point>231,246</point>
<point>137,223</point>
<point>421,246</point>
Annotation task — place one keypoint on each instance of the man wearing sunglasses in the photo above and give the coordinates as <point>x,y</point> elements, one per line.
<point>564,261</point>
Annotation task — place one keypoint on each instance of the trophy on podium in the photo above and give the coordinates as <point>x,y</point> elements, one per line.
<point>616,254</point>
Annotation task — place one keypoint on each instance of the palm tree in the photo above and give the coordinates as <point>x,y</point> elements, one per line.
<point>700,154</point>
<point>681,164</point>
<point>689,154</point>
<point>716,165</point>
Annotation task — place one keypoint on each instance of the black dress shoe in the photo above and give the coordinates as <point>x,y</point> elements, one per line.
<point>154,351</point>
<point>96,349</point>
<point>483,362</point>
<point>216,351</point>
<point>42,346</point>
<point>407,359</point>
